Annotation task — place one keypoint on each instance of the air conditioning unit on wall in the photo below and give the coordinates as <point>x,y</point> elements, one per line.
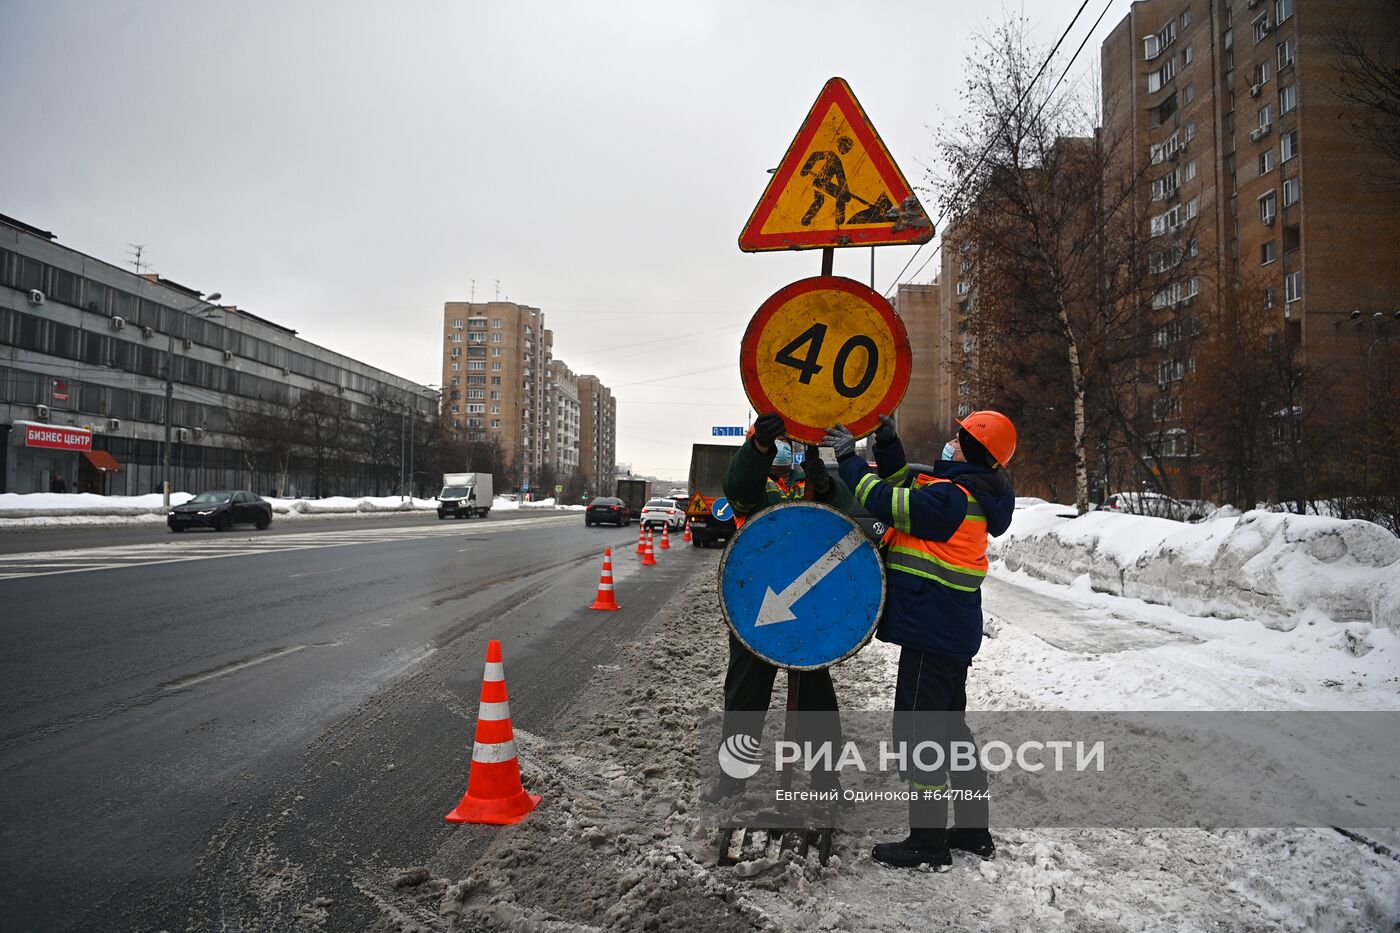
<point>114,424</point>
<point>147,332</point>
<point>118,323</point>
<point>36,297</point>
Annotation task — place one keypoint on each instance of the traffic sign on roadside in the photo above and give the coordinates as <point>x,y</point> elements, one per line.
<point>825,350</point>
<point>836,186</point>
<point>801,585</point>
<point>727,431</point>
<point>721,509</point>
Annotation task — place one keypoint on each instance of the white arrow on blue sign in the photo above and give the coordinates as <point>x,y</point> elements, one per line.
<point>801,586</point>
<point>727,431</point>
<point>721,510</point>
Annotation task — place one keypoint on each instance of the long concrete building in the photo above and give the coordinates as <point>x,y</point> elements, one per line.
<point>83,351</point>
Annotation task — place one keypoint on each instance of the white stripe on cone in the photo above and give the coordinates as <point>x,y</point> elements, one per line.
<point>494,711</point>
<point>493,753</point>
<point>495,670</point>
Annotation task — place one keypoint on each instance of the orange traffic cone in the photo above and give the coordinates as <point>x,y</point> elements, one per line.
<point>606,598</point>
<point>686,536</point>
<point>666,537</point>
<point>642,538</point>
<point>648,555</point>
<point>494,792</point>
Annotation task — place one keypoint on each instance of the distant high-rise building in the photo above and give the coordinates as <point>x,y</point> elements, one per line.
<point>500,382</point>
<point>597,434</point>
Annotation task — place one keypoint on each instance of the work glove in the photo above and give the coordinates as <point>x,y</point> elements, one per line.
<point>840,439</point>
<point>767,429</point>
<point>885,434</point>
<point>817,476</point>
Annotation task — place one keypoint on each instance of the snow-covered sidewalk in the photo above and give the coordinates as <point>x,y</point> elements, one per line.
<point>50,510</point>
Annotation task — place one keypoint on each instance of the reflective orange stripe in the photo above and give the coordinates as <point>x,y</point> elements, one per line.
<point>960,562</point>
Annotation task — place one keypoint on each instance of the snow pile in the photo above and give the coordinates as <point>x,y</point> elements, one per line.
<point>1273,567</point>
<point>14,505</point>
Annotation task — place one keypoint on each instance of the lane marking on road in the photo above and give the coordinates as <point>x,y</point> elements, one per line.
<point>231,668</point>
<point>50,563</point>
<point>314,573</point>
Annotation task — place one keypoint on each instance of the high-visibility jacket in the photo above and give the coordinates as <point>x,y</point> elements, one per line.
<point>750,489</point>
<point>936,554</point>
<point>960,562</point>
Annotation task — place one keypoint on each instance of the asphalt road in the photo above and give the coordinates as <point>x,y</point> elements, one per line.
<point>230,731</point>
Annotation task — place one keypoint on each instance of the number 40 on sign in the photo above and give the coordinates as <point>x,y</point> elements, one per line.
<point>825,350</point>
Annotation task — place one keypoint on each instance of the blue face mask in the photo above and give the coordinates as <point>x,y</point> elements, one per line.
<point>947,451</point>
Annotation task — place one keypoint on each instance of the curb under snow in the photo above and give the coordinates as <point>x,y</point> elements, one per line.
<point>1273,567</point>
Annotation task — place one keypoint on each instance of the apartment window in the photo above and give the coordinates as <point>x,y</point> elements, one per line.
<point>1287,98</point>
<point>1186,56</point>
<point>1268,252</point>
<point>495,422</point>
<point>456,351</point>
<point>1159,78</point>
<point>1188,94</point>
<point>1163,111</point>
<point>1193,207</point>
<point>495,351</point>
<point>1266,116</point>
<point>495,409</point>
<point>1268,207</point>
<point>1169,371</point>
<point>1190,132</point>
<point>1265,72</point>
<point>476,365</point>
<point>1286,51</point>
<point>456,338</point>
<point>495,395</point>
<point>456,367</point>
<point>1166,186</point>
<point>1282,10</point>
<point>476,393</point>
<point>1152,46</point>
<point>496,323</point>
<point>1270,297</point>
<point>1262,27</point>
<point>1291,191</point>
<point>495,380</point>
<point>1266,161</point>
<point>1288,145</point>
<point>1190,172</point>
<point>496,338</point>
<point>495,367</point>
<point>457,324</point>
<point>1185,17</point>
<point>476,323</point>
<point>1227,39</point>
<point>1293,286</point>
<point>1164,150</point>
<point>456,380</point>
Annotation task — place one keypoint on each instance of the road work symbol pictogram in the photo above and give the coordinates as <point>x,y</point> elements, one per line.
<point>837,185</point>
<point>801,586</point>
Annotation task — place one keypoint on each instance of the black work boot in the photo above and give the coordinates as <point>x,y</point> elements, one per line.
<point>922,847</point>
<point>977,841</point>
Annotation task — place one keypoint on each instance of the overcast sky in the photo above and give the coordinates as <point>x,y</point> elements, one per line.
<point>344,168</point>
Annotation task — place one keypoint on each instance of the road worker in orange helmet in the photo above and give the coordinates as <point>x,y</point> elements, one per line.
<point>935,555</point>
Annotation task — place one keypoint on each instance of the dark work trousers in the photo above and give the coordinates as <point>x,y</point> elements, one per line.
<point>930,697</point>
<point>748,689</point>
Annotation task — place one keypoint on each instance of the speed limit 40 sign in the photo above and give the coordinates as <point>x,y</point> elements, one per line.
<point>825,350</point>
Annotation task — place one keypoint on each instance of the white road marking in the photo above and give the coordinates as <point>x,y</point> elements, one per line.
<point>231,668</point>
<point>51,563</point>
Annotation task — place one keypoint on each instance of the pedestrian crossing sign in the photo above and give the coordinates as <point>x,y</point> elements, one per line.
<point>836,186</point>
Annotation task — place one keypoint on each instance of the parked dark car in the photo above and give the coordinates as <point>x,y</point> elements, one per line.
<point>221,511</point>
<point>607,510</point>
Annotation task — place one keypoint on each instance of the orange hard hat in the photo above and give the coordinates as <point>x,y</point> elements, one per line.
<point>993,431</point>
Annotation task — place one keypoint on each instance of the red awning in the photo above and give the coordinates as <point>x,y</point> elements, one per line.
<point>103,461</point>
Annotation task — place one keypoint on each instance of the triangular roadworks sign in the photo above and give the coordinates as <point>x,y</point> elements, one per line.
<point>836,186</point>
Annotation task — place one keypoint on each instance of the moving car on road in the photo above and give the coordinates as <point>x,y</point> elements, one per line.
<point>221,511</point>
<point>658,512</point>
<point>607,510</point>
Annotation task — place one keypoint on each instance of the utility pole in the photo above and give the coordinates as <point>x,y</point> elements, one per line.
<point>403,435</point>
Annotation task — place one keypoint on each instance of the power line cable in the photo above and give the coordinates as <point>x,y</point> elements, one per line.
<point>1038,112</point>
<point>988,148</point>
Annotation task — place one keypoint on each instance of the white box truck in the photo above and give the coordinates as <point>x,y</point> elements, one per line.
<point>464,495</point>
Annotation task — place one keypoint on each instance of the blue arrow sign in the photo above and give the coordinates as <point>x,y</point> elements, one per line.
<point>727,431</point>
<point>721,509</point>
<point>802,586</point>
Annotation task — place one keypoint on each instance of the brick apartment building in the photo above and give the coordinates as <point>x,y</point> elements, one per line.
<point>1250,173</point>
<point>501,382</point>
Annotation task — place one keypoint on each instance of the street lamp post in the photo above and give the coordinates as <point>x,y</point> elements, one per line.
<point>170,389</point>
